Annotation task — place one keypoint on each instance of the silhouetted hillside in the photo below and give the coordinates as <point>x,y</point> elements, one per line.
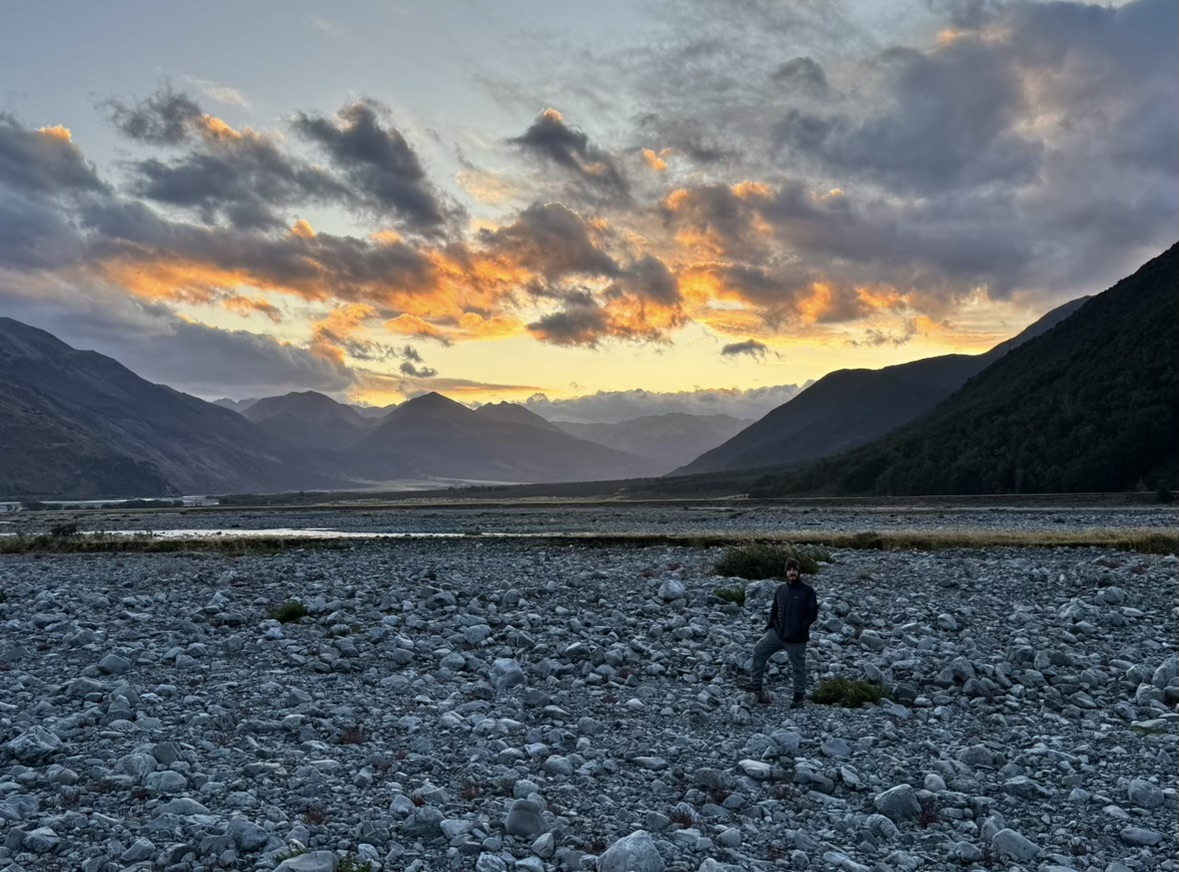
<point>671,440</point>
<point>435,436</point>
<point>1092,405</point>
<point>852,407</point>
<point>79,424</point>
<point>309,419</point>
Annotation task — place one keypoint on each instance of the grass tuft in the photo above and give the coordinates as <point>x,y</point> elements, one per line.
<point>765,559</point>
<point>731,595</point>
<point>288,612</point>
<point>848,692</point>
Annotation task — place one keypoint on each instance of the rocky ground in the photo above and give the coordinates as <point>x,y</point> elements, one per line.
<point>512,705</point>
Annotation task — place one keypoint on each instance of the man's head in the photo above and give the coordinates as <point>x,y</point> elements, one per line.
<point>793,570</point>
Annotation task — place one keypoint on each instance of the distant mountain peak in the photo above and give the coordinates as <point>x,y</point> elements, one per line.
<point>433,398</point>
<point>505,411</point>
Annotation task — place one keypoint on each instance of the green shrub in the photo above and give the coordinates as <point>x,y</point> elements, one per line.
<point>731,594</point>
<point>288,612</point>
<point>65,528</point>
<point>352,863</point>
<point>756,560</point>
<point>848,692</point>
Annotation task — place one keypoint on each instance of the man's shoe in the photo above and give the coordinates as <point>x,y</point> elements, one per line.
<point>798,701</point>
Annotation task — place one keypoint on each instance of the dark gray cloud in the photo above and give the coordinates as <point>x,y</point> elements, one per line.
<point>553,240</point>
<point>251,181</point>
<point>37,235</point>
<point>874,338</point>
<point>415,371</point>
<point>319,267</point>
<point>154,343</point>
<point>167,117</point>
<point>950,118</point>
<point>802,75</point>
<point>382,168</point>
<point>550,138</point>
<point>412,364</point>
<point>246,183</point>
<point>42,162</point>
<point>749,348</point>
<point>649,278</point>
<point>576,325</point>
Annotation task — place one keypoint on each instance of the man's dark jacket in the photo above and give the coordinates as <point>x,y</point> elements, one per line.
<point>795,608</point>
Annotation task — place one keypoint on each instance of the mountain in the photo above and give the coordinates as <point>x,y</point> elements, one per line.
<point>309,420</point>
<point>513,414</point>
<point>79,424</point>
<point>49,451</point>
<point>238,406</point>
<point>851,407</point>
<point>435,436</point>
<point>374,411</point>
<point>672,439</point>
<point>1091,405</point>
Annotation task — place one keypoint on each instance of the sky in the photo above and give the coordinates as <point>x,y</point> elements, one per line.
<point>597,209</point>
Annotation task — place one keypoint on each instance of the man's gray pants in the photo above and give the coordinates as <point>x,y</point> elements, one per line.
<point>769,645</point>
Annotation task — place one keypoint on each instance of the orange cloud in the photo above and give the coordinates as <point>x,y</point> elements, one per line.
<point>184,281</point>
<point>303,230</point>
<point>213,127</point>
<point>656,160</point>
<point>250,305</point>
<point>814,307</point>
<point>57,132</point>
<point>752,191</point>
<point>881,297</point>
<point>412,325</point>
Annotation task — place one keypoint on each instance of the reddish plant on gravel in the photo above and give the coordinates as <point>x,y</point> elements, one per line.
<point>353,736</point>
<point>469,790</point>
<point>682,818</point>
<point>929,815</point>
<point>316,814</point>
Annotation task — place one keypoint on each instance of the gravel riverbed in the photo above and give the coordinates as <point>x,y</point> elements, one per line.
<point>521,705</point>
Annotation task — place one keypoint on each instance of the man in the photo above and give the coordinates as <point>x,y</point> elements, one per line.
<point>795,608</point>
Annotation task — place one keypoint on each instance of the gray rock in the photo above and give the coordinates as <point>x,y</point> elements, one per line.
<point>140,850</point>
<point>1142,838</point>
<point>506,673</point>
<point>1143,794</point>
<point>835,747</point>
<point>1009,843</point>
<point>636,852</point>
<point>315,861</point>
<point>524,819</point>
<point>183,806</point>
<point>424,823</point>
<point>881,826</point>
<point>490,863</point>
<point>672,589</point>
<point>898,804</point>
<point>43,840</point>
<point>246,835</point>
<point>1025,788</point>
<point>113,664</point>
<point>34,746</point>
<point>965,852</point>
